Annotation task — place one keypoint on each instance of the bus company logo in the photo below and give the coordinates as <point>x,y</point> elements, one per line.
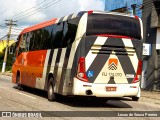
<point>112,64</point>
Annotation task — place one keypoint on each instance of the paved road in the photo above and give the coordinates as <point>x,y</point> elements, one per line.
<point>11,99</point>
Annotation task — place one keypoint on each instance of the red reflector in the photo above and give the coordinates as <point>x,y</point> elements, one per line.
<point>114,36</point>
<point>135,80</point>
<point>82,64</point>
<point>90,12</point>
<point>81,73</point>
<point>139,70</point>
<point>136,17</point>
<point>138,73</point>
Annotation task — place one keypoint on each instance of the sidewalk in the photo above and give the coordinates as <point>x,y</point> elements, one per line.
<point>150,97</point>
<point>7,73</point>
<point>146,96</point>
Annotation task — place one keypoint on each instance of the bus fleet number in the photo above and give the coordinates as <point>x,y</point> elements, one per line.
<point>112,74</point>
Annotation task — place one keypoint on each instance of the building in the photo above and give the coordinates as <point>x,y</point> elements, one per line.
<point>3,44</point>
<point>151,62</point>
<point>126,6</point>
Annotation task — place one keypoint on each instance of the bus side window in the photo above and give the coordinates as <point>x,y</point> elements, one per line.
<point>66,36</point>
<point>38,40</point>
<point>58,35</point>
<point>17,46</point>
<point>12,48</point>
<point>31,37</point>
<point>69,32</point>
<point>46,38</point>
<point>52,36</point>
<point>27,41</point>
<point>22,47</point>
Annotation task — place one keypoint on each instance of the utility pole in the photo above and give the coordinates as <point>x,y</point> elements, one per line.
<point>10,23</point>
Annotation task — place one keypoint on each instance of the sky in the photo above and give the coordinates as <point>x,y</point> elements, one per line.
<point>30,12</point>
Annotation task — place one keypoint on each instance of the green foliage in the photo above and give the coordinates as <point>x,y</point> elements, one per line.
<point>9,61</point>
<point>1,61</point>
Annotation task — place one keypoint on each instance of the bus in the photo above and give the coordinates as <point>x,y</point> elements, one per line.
<point>96,54</point>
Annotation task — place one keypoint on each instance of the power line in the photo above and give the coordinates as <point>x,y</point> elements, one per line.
<point>3,37</point>
<point>50,3</point>
<point>25,13</point>
<point>53,2</point>
<point>18,28</point>
<point>12,35</point>
<point>39,9</point>
<point>27,10</point>
<point>32,10</point>
<point>2,26</point>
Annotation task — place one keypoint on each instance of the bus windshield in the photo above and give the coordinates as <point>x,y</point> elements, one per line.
<point>99,24</point>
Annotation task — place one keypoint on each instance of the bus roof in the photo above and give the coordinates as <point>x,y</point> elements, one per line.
<point>50,22</point>
<point>40,25</point>
<point>56,20</point>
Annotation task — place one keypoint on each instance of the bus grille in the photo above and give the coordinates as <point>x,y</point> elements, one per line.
<point>112,50</point>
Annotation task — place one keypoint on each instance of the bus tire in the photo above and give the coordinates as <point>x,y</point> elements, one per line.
<point>135,98</point>
<point>19,86</point>
<point>50,90</point>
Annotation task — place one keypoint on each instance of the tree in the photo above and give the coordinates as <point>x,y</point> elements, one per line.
<point>9,61</point>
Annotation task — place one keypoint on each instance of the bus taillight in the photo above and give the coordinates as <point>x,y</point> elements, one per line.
<point>136,17</point>
<point>90,12</point>
<point>139,72</point>
<point>81,73</point>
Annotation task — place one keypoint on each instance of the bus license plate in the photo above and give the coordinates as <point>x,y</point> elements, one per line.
<point>111,88</point>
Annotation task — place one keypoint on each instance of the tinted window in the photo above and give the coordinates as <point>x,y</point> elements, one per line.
<point>69,32</point>
<point>31,36</point>
<point>55,36</point>
<point>46,36</point>
<point>23,44</point>
<point>58,35</point>
<point>114,25</point>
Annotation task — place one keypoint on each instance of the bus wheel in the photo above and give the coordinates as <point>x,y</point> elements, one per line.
<point>50,90</point>
<point>135,98</point>
<point>18,83</point>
